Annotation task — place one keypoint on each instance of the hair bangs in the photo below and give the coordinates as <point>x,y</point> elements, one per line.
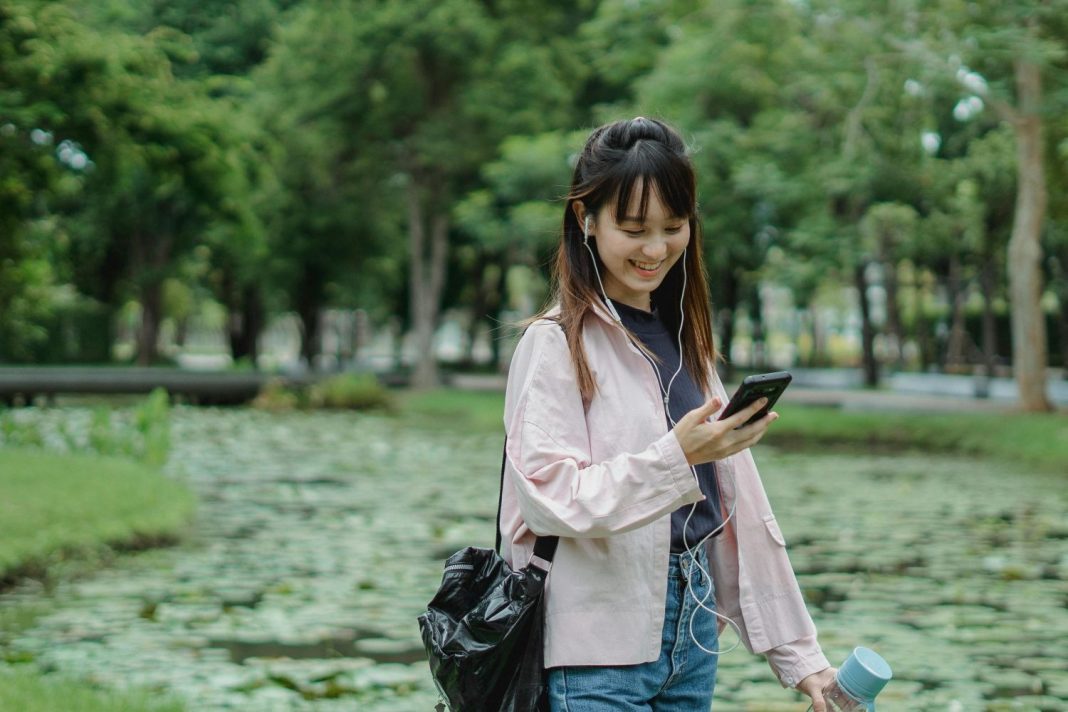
<point>652,166</point>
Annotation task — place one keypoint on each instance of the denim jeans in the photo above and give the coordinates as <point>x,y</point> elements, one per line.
<point>681,680</point>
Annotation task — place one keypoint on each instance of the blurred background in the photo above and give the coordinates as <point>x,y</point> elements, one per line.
<point>260,262</point>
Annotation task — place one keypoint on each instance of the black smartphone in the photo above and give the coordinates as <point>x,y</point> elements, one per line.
<point>764,385</point>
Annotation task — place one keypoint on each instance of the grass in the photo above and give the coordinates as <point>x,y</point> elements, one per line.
<point>451,407</point>
<point>1039,440</point>
<point>27,692</point>
<point>53,506</point>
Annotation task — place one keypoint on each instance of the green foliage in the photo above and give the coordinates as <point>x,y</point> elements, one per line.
<point>348,391</point>
<point>522,203</point>
<point>354,391</point>
<point>152,422</point>
<point>144,438</point>
<point>17,434</point>
<point>277,153</point>
<point>276,396</point>
<point>74,329</point>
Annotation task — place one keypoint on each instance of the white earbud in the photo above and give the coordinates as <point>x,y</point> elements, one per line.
<point>586,242</point>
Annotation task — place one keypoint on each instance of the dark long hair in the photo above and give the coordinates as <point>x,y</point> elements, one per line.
<point>617,157</point>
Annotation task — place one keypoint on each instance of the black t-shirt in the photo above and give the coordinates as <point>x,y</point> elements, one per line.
<point>684,397</point>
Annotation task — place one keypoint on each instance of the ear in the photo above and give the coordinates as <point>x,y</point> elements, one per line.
<point>579,208</point>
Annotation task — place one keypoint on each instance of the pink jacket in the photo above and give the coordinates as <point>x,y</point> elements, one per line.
<point>604,479</point>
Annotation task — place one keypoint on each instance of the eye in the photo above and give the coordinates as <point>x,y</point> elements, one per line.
<point>674,230</point>
<point>635,233</point>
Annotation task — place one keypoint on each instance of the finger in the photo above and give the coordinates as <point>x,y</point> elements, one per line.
<point>746,413</point>
<point>763,422</point>
<point>748,441</point>
<point>817,703</point>
<point>708,408</point>
<point>750,435</point>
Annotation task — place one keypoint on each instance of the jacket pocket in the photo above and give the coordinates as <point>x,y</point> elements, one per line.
<point>772,526</point>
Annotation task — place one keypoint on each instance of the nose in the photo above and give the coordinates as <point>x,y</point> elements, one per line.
<point>656,249</point>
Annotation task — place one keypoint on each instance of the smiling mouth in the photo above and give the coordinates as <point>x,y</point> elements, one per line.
<point>647,267</point>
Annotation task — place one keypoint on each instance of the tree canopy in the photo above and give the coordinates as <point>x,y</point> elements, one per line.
<point>278,156</point>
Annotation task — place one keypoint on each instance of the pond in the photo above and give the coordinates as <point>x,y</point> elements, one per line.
<point>320,536</point>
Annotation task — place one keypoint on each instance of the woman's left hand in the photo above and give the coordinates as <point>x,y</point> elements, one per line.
<point>813,687</point>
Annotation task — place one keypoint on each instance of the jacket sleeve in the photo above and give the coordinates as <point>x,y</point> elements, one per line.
<point>795,661</point>
<point>559,490</point>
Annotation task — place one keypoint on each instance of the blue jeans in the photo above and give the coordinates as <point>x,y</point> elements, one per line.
<point>681,680</point>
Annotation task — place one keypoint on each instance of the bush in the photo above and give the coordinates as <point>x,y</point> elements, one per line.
<point>350,391</point>
<point>146,438</point>
<point>275,396</point>
<point>360,391</point>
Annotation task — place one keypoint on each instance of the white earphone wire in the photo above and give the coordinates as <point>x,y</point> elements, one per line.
<point>701,605</point>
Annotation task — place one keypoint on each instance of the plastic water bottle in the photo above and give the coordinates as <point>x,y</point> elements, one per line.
<point>857,682</point>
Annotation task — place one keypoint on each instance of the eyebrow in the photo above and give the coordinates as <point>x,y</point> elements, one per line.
<point>638,219</point>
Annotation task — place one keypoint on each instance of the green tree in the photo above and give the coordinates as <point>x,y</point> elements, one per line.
<point>162,164</point>
<point>1012,55</point>
<point>750,128</point>
<point>515,219</point>
<point>414,98</point>
<point>29,171</point>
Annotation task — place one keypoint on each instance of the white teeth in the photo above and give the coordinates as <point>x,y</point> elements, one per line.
<point>648,267</point>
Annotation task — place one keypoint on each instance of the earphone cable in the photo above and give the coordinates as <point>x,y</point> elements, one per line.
<point>701,605</point>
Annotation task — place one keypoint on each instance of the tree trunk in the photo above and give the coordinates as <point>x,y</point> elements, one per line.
<point>990,343</point>
<point>815,357</point>
<point>955,345</point>
<point>245,324</point>
<point>726,314</point>
<point>149,258</point>
<point>759,357</point>
<point>310,327</point>
<point>867,330</point>
<point>426,279</point>
<point>1064,334</point>
<point>478,306</point>
<point>1029,352</point>
<point>151,313</point>
<point>923,327</point>
<point>310,300</point>
<point>893,313</point>
<point>499,304</point>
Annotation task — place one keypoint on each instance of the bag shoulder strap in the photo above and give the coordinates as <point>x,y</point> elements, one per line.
<point>544,546</point>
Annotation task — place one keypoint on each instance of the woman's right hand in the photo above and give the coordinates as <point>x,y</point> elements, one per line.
<point>705,440</point>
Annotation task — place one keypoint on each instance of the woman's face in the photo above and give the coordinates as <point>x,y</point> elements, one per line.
<point>637,254</point>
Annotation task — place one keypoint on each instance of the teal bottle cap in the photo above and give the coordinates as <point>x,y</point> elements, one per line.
<point>864,674</point>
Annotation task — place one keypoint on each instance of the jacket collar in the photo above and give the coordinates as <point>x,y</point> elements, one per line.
<point>598,307</point>
<point>601,310</point>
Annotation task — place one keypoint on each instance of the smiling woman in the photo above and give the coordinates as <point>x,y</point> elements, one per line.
<point>613,451</point>
<point>637,250</point>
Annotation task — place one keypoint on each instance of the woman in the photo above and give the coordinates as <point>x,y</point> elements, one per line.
<point>665,530</point>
